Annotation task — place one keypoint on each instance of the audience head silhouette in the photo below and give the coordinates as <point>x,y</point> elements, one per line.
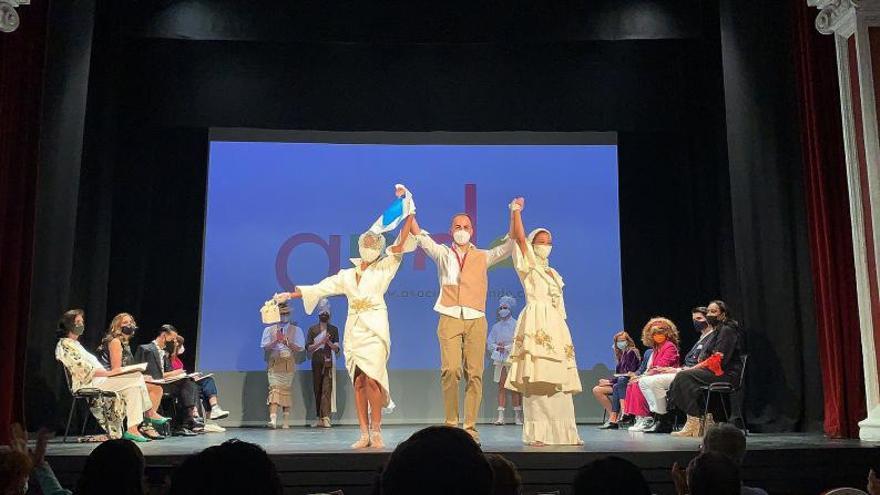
<point>233,467</point>
<point>114,467</point>
<point>437,460</point>
<point>506,478</point>
<point>711,473</point>
<point>610,476</point>
<point>726,439</point>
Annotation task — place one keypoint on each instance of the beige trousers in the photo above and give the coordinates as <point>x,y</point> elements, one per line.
<point>462,345</point>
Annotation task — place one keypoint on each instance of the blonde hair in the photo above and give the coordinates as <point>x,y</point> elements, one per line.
<point>661,325</point>
<point>115,330</point>
<point>630,344</point>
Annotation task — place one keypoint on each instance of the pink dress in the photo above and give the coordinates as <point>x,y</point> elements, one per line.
<point>665,356</point>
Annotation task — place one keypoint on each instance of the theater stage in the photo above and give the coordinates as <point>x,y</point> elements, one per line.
<point>315,460</point>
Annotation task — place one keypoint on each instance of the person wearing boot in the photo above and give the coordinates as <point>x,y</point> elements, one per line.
<point>685,391</point>
<point>500,343</point>
<point>655,386</point>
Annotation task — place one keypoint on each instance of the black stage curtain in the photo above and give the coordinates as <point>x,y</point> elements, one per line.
<point>152,98</point>
<point>774,299</point>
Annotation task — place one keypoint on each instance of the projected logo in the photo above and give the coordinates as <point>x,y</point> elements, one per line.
<point>332,245</point>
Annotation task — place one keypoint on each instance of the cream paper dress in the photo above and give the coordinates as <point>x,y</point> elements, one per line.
<point>542,364</point>
<point>367,336</point>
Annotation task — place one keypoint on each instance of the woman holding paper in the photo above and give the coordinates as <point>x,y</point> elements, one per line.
<point>87,371</point>
<point>543,367</point>
<point>367,333</point>
<point>115,352</point>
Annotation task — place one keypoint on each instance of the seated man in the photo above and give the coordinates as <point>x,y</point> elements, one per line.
<point>184,389</point>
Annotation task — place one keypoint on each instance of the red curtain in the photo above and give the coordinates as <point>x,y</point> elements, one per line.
<point>22,56</point>
<point>827,198</point>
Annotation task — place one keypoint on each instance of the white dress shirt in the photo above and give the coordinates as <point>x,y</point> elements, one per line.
<point>448,269</point>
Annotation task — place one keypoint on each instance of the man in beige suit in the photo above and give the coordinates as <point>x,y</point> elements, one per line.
<point>462,269</point>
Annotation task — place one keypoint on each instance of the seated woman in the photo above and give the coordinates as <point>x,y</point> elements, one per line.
<point>207,388</point>
<point>610,392</point>
<point>662,336</point>
<point>656,384</point>
<point>115,352</point>
<point>87,371</point>
<point>727,339</point>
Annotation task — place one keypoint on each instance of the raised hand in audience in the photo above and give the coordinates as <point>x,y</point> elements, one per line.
<point>19,443</point>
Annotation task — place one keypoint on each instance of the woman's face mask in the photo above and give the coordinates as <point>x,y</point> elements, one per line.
<point>504,312</point>
<point>543,250</point>
<point>78,329</point>
<point>180,351</point>
<point>129,330</point>
<point>622,344</point>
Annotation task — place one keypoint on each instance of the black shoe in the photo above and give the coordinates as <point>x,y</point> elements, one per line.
<point>183,432</point>
<point>626,421</point>
<point>609,426</point>
<point>663,424</point>
<point>194,426</point>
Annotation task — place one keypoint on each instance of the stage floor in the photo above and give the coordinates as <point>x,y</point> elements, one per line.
<point>313,460</point>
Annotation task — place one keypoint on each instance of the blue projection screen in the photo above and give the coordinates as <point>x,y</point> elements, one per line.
<point>287,207</point>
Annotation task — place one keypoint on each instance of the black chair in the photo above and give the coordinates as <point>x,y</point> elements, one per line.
<point>86,394</point>
<point>726,389</point>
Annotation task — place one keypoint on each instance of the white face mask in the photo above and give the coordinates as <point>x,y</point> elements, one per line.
<point>461,237</point>
<point>369,254</point>
<point>543,250</point>
<point>180,351</point>
<point>504,313</point>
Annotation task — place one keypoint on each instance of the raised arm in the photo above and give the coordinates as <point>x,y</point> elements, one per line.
<point>517,230</point>
<point>432,249</point>
<point>404,234</point>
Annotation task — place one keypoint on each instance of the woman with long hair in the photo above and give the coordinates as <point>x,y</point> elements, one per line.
<point>661,335</point>
<point>611,392</point>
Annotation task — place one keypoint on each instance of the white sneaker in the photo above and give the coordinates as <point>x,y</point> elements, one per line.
<point>640,425</point>
<point>518,416</point>
<point>214,428</point>
<point>217,413</point>
<point>499,421</point>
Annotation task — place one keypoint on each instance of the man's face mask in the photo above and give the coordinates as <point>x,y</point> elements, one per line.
<point>324,317</point>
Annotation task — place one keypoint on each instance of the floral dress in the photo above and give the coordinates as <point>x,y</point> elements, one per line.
<point>543,367</point>
<point>81,366</point>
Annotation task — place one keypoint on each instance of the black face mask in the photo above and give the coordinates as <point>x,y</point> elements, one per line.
<point>129,330</point>
<point>700,325</point>
<point>713,320</point>
<point>324,318</point>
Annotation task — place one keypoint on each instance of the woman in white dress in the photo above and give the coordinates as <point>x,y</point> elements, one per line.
<point>543,367</point>
<point>367,336</point>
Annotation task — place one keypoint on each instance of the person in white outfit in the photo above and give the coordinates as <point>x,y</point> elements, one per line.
<point>367,335</point>
<point>280,342</point>
<point>499,344</point>
<point>543,366</point>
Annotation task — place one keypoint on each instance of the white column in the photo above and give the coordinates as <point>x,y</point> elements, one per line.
<point>855,25</point>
